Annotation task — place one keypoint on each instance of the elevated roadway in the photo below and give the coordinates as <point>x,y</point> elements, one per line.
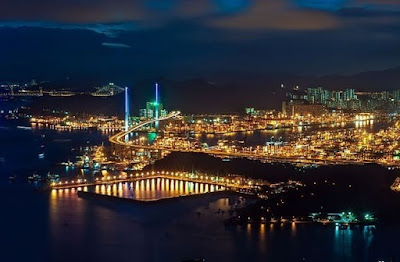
<point>119,138</point>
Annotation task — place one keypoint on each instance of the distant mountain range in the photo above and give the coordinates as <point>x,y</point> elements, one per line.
<point>367,81</point>
<point>232,91</point>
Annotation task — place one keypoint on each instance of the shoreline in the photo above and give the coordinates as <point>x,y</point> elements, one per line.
<point>153,202</point>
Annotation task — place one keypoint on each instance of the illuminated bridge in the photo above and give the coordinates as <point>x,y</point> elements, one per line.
<point>119,142</point>
<point>120,137</point>
<point>122,147</point>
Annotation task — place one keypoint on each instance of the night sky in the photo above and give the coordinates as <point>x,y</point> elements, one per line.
<point>123,40</point>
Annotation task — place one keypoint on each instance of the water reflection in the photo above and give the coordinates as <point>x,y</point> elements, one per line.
<point>293,229</point>
<point>248,230</point>
<point>154,188</point>
<point>262,233</point>
<point>260,137</point>
<point>368,235</point>
<point>58,219</point>
<point>363,123</point>
<point>262,237</point>
<point>343,241</point>
<point>261,240</point>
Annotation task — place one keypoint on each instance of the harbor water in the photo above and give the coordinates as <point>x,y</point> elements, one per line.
<point>53,226</point>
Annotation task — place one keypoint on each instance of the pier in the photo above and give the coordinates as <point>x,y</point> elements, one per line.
<point>230,183</point>
<point>155,186</point>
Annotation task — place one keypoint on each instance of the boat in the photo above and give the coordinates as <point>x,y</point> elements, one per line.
<point>11,179</point>
<point>53,177</point>
<point>24,127</point>
<point>69,163</point>
<point>41,155</point>
<point>34,178</point>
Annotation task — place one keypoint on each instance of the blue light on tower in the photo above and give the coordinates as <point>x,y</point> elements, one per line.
<point>126,109</point>
<point>157,102</point>
<point>156,107</point>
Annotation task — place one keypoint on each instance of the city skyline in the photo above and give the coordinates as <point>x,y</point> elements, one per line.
<point>144,100</point>
<point>200,130</point>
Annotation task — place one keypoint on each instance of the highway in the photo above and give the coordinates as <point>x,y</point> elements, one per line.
<point>119,138</point>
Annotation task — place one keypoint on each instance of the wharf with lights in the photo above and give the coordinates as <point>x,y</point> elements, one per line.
<point>208,183</point>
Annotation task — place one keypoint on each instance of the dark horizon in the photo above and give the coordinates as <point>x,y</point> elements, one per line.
<point>134,40</point>
<point>222,94</point>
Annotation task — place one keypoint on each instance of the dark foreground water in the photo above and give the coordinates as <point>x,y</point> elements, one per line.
<point>52,226</point>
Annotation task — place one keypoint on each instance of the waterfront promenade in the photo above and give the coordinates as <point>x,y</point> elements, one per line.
<point>229,183</point>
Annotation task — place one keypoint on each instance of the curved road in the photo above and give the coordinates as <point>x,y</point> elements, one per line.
<point>119,138</point>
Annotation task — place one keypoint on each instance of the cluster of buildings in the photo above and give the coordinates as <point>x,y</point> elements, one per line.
<point>108,90</point>
<point>332,146</point>
<point>318,101</point>
<point>152,110</point>
<point>72,122</point>
<point>35,89</point>
<point>14,89</point>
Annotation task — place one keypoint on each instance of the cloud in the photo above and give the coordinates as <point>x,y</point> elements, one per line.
<point>113,17</point>
<point>115,45</point>
<point>331,5</point>
<point>276,14</point>
<point>379,2</point>
<point>279,14</point>
<point>110,30</point>
<point>81,11</point>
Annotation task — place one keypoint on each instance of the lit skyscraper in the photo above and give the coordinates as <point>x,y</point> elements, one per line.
<point>396,95</point>
<point>348,95</point>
